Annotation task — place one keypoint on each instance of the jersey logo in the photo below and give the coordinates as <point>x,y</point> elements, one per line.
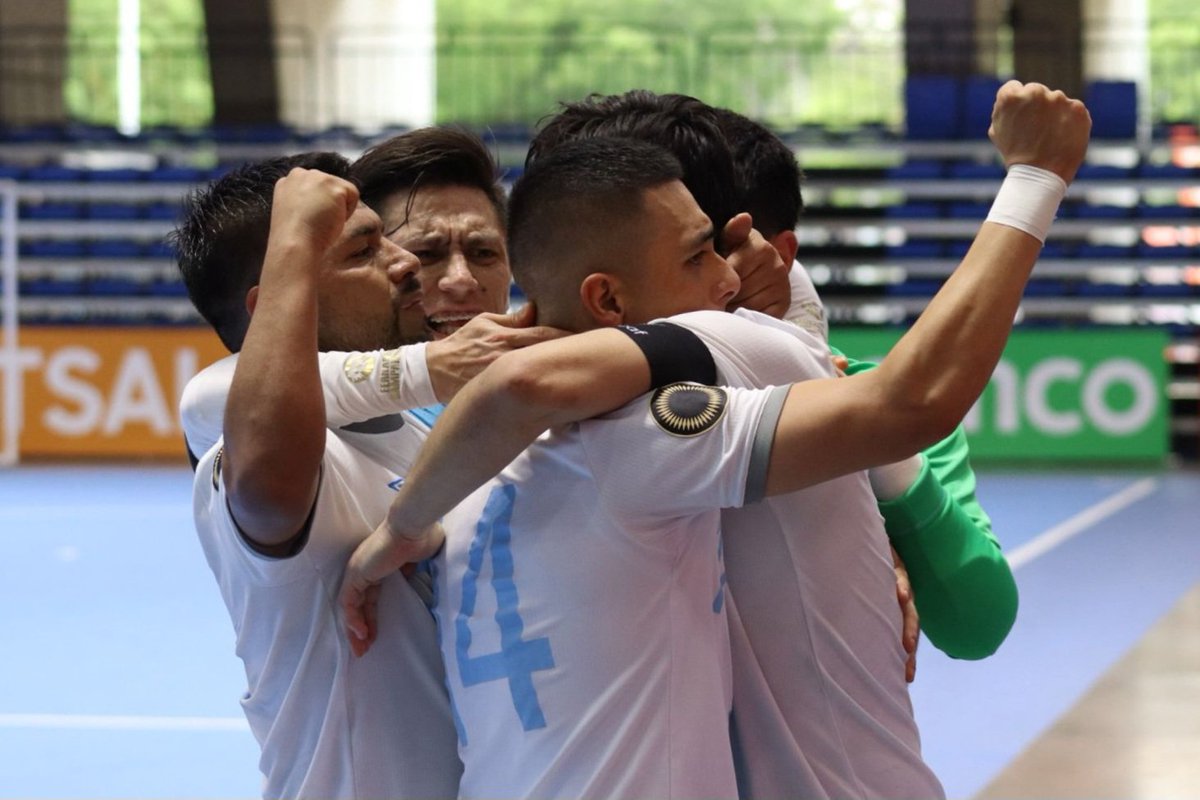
<point>687,409</point>
<point>358,367</point>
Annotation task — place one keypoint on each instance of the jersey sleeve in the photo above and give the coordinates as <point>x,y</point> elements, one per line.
<point>202,405</point>
<point>753,349</point>
<point>806,311</point>
<point>362,386</point>
<point>963,586</point>
<point>357,387</point>
<point>682,450</point>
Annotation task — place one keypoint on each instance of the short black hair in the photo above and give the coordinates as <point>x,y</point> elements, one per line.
<point>566,207</point>
<point>435,156</point>
<point>767,173</point>
<point>685,126</point>
<point>221,240</point>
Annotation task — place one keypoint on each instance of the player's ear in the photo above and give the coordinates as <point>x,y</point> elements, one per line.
<point>602,295</point>
<point>251,300</point>
<point>786,244</point>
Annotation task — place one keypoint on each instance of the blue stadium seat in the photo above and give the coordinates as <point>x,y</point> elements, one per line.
<point>116,175</point>
<point>63,284</point>
<point>1104,251</point>
<point>1085,211</point>
<point>163,211</point>
<point>1149,170</point>
<point>115,248</point>
<point>1166,290</point>
<point>1058,249</point>
<point>1145,211</point>
<point>925,287</point>
<point>917,169</point>
<point>914,210</point>
<point>969,170</point>
<point>112,211</point>
<point>916,248</point>
<point>957,248</point>
<point>160,249</point>
<point>54,173</point>
<point>1105,290</point>
<point>53,249</point>
<point>115,286</point>
<point>979,95</point>
<point>933,107</point>
<point>1103,172</point>
<point>168,288</point>
<point>1047,287</point>
<point>51,211</point>
<point>1113,106</point>
<point>961,209</point>
<point>1176,251</point>
<point>173,173</point>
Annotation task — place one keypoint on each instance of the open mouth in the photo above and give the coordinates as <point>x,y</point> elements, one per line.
<point>442,325</point>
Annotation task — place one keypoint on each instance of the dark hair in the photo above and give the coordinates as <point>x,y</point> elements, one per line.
<point>767,173</point>
<point>683,125</point>
<point>221,240</point>
<point>436,156</point>
<point>565,209</point>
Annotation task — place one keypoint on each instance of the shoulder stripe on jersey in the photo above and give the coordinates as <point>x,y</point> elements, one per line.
<point>760,451</point>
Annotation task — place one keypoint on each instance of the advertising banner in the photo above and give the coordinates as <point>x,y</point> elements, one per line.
<point>1061,395</point>
<point>107,391</point>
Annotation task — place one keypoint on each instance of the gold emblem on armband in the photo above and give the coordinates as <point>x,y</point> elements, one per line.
<point>389,372</point>
<point>687,409</point>
<point>358,367</point>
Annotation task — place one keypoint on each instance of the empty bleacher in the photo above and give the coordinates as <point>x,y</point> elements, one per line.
<point>886,221</point>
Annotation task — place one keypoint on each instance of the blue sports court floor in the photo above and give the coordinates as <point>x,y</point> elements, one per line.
<point>118,677</point>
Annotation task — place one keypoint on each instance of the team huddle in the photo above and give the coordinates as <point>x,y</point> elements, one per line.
<point>647,537</point>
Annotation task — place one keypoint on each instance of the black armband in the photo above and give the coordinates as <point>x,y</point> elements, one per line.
<point>674,353</point>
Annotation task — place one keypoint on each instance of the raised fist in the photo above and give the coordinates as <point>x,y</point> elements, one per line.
<point>1042,128</point>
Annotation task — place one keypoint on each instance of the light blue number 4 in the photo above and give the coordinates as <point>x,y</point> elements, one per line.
<point>518,658</point>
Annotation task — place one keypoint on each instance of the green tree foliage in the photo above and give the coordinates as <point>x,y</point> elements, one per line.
<point>176,88</point>
<point>513,60</point>
<point>1175,60</point>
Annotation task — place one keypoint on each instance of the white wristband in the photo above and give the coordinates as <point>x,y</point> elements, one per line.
<point>1028,200</point>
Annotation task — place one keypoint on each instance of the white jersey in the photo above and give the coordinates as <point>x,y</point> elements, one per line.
<point>358,387</point>
<point>821,706</point>
<point>806,310</point>
<point>580,605</point>
<point>330,725</point>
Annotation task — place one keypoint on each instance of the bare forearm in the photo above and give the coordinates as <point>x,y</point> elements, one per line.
<point>274,419</point>
<point>972,314</point>
<point>925,385</point>
<point>507,407</point>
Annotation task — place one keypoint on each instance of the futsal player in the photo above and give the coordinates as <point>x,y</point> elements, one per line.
<point>596,602</point>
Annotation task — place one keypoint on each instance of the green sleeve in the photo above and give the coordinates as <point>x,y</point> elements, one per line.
<point>962,584</point>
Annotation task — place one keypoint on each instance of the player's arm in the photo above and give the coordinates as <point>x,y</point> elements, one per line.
<point>499,414</point>
<point>274,424</point>
<point>961,582</point>
<point>358,386</point>
<point>922,389</point>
